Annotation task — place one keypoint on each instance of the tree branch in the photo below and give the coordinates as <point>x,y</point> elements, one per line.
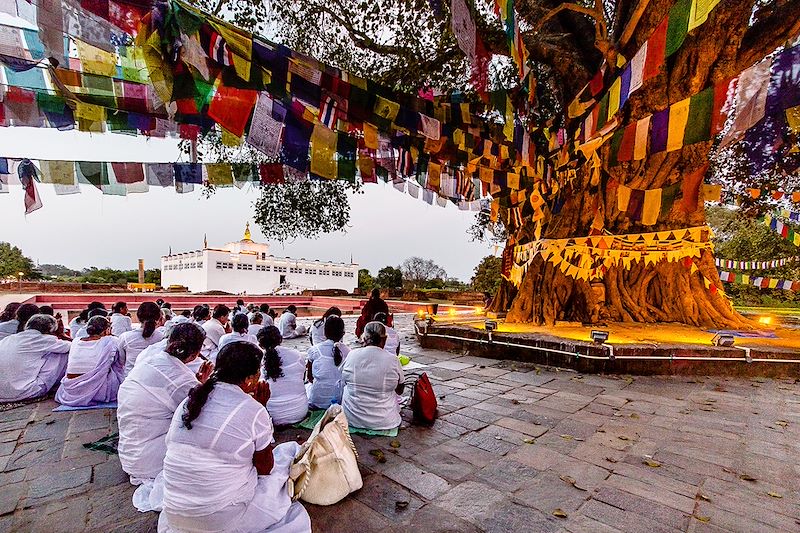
<point>633,22</point>
<point>360,39</point>
<point>594,13</point>
<point>768,33</point>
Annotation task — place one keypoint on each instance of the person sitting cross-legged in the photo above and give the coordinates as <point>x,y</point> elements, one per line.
<point>287,324</point>
<point>147,399</point>
<point>94,368</point>
<point>240,332</point>
<point>32,361</point>
<point>132,343</point>
<point>323,369</point>
<point>372,379</point>
<point>222,471</point>
<point>283,369</point>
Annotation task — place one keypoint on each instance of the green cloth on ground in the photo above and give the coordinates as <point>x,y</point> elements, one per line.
<point>315,415</point>
<point>107,444</point>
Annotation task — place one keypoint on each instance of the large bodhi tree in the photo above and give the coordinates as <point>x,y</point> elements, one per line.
<point>408,45</point>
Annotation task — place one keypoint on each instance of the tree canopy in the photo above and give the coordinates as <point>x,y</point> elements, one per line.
<point>13,261</point>
<point>389,277</point>
<point>418,273</point>
<point>487,276</point>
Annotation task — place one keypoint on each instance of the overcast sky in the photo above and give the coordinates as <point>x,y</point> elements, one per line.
<point>90,229</point>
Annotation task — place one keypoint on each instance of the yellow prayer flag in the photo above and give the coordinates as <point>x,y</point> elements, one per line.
<point>614,96</point>
<point>434,175</point>
<point>698,12</point>
<point>712,193</point>
<point>793,118</point>
<point>459,138</point>
<point>773,283</point>
<point>386,108</point>
<point>623,197</point>
<point>370,136</point>
<point>241,47</point>
<point>95,60</point>
<point>513,181</point>
<point>229,139</point>
<point>640,142</point>
<point>486,174</point>
<point>219,174</point>
<point>678,117</point>
<point>651,208</point>
<point>323,152</point>
<point>465,116</point>
<point>90,112</point>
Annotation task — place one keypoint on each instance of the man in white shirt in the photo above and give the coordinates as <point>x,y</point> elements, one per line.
<point>287,324</point>
<point>215,329</point>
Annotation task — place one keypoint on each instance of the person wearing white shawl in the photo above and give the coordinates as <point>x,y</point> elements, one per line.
<point>147,400</point>
<point>94,369</point>
<point>8,321</point>
<point>323,369</point>
<point>318,326</point>
<point>392,338</point>
<point>287,324</point>
<point>215,329</point>
<point>240,332</point>
<point>256,323</point>
<point>120,321</point>
<point>372,378</point>
<point>32,361</point>
<point>283,369</point>
<point>222,471</point>
<point>131,343</point>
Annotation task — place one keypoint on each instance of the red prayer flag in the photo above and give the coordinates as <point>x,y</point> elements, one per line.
<point>231,108</point>
<point>628,141</point>
<point>723,92</point>
<point>271,173</point>
<point>188,131</point>
<point>691,188</point>
<point>596,83</point>
<point>656,48</point>
<point>128,172</point>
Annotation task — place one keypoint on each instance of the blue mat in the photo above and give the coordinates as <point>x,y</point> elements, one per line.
<point>110,405</point>
<point>763,334</point>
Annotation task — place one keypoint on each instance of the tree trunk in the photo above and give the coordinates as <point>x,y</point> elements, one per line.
<point>665,291</point>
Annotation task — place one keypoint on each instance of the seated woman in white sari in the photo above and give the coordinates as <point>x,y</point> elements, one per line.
<point>283,369</point>
<point>323,369</point>
<point>215,328</point>
<point>372,379</point>
<point>240,332</point>
<point>256,323</point>
<point>94,369</point>
<point>318,327</point>
<point>147,400</point>
<point>392,338</point>
<point>131,343</point>
<point>267,313</point>
<point>222,471</point>
<point>32,361</point>
<point>287,324</point>
<point>120,321</point>
<point>8,320</point>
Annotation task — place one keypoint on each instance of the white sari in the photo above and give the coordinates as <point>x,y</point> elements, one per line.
<point>98,384</point>
<point>288,402</point>
<point>31,363</point>
<point>210,483</point>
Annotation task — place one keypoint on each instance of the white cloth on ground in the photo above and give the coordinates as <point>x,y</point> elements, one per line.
<point>120,324</point>
<point>147,399</point>
<point>288,402</point>
<point>8,328</point>
<point>370,376</point>
<point>31,363</point>
<point>236,337</point>
<point>327,384</point>
<point>226,493</point>
<point>101,372</point>
<point>214,332</point>
<point>132,343</point>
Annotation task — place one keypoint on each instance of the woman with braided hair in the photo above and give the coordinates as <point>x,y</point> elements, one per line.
<point>222,471</point>
<point>132,343</point>
<point>283,369</point>
<point>324,366</point>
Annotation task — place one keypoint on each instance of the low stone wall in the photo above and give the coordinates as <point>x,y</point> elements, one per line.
<point>50,287</point>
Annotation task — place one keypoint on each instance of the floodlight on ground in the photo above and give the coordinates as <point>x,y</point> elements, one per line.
<point>599,336</point>
<point>479,310</point>
<point>722,339</point>
<point>490,325</point>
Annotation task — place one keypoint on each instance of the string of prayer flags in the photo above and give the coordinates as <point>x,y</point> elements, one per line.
<point>754,265</point>
<point>759,281</point>
<point>755,194</point>
<point>781,228</point>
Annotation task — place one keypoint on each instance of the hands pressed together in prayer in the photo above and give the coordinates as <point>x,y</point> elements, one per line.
<point>205,371</point>
<point>261,393</point>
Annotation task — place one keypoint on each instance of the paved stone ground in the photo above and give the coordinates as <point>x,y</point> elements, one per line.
<point>514,444</point>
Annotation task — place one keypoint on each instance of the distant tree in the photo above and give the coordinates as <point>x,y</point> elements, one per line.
<point>487,275</point>
<point>389,278</point>
<point>12,262</point>
<point>418,272</point>
<point>58,271</point>
<point>365,279</point>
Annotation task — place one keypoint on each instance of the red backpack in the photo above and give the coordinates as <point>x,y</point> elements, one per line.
<point>423,401</point>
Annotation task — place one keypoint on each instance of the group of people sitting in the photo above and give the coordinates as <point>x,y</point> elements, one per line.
<point>205,387</point>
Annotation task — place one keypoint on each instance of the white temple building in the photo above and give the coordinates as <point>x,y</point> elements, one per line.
<point>246,266</point>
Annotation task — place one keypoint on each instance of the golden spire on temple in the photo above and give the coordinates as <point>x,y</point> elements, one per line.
<point>247,236</point>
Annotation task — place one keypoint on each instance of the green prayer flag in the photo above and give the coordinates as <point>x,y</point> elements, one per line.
<point>244,172</point>
<point>50,103</point>
<point>698,127</point>
<point>616,141</point>
<point>92,172</point>
<point>602,115</point>
<point>678,26</point>
<point>346,160</point>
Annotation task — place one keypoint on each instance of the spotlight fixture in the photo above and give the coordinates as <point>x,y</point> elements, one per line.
<point>599,336</point>
<point>490,325</point>
<point>722,339</point>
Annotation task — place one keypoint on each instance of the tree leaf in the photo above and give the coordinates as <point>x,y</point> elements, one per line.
<point>395,443</point>
<point>704,519</point>
<point>651,463</point>
<point>774,494</point>
<point>559,513</point>
<point>747,477</point>
<point>529,440</point>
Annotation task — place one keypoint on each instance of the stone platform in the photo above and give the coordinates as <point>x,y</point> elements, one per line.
<point>515,443</point>
<point>666,349</point>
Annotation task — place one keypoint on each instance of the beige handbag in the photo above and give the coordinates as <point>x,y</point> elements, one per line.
<point>325,470</point>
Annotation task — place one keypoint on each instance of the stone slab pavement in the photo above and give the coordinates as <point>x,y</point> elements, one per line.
<point>516,448</point>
